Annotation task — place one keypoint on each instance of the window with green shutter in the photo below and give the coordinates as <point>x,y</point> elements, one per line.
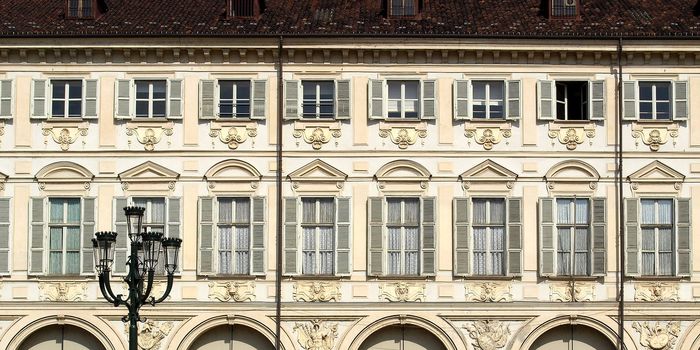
<point>64,248</point>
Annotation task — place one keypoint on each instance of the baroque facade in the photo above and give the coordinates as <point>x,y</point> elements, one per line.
<point>449,179</point>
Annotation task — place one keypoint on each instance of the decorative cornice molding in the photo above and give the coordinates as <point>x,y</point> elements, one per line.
<point>402,292</point>
<point>63,291</point>
<point>403,134</point>
<point>571,134</point>
<point>317,133</point>
<point>149,134</point>
<point>654,134</point>
<point>233,134</point>
<point>487,134</point>
<point>316,291</point>
<point>64,134</point>
<point>232,291</point>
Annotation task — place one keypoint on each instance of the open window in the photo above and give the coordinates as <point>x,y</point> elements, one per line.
<point>571,100</point>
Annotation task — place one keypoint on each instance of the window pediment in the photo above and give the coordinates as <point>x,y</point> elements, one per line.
<point>403,175</point>
<point>488,176</point>
<point>3,178</point>
<point>148,176</point>
<point>232,176</point>
<point>656,177</point>
<point>64,177</point>
<point>317,176</point>
<point>572,177</point>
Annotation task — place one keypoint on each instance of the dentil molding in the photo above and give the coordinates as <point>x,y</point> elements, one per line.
<point>656,291</point>
<point>572,291</point>
<point>316,334</point>
<point>654,134</point>
<point>488,292</point>
<point>64,134</point>
<point>316,291</point>
<point>149,134</point>
<point>232,291</point>
<point>402,292</point>
<point>658,335</point>
<point>571,134</point>
<point>317,133</point>
<point>403,134</point>
<point>487,134</point>
<point>233,134</point>
<point>488,334</point>
<point>62,291</point>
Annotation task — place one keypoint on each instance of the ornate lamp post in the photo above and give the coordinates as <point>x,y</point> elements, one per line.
<point>143,259</point>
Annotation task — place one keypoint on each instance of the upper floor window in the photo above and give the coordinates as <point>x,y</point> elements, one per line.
<point>571,100</point>
<point>243,8</point>
<point>154,215</point>
<point>148,98</point>
<point>234,235</point>
<point>64,98</point>
<point>655,100</point>
<point>317,99</point>
<point>232,99</point>
<point>563,9</point>
<point>81,8</point>
<point>403,236</point>
<point>403,8</point>
<point>6,99</point>
<point>394,99</point>
<point>486,99</point>
<point>489,235</point>
<point>573,236</point>
<point>656,221</point>
<point>64,236</point>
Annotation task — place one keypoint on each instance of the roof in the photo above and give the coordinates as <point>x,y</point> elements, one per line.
<point>460,18</point>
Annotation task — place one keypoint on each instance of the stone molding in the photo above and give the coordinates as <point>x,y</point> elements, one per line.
<point>63,291</point>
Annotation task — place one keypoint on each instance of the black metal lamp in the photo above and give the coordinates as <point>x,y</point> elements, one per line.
<point>103,250</point>
<point>171,250</point>
<point>134,222</point>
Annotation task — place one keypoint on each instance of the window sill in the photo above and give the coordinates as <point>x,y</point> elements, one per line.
<point>220,277</point>
<point>573,278</point>
<point>63,278</point>
<point>401,278</point>
<point>317,278</point>
<point>487,278</point>
<point>657,278</point>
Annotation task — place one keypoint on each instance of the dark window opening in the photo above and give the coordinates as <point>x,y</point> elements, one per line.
<point>403,8</point>
<point>82,8</point>
<point>572,100</point>
<point>563,8</point>
<point>244,8</point>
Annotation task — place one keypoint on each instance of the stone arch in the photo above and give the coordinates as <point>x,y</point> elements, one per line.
<point>606,328</point>
<point>690,339</point>
<point>64,176</point>
<point>403,168</point>
<point>399,320</point>
<point>572,170</point>
<point>93,325</point>
<point>190,331</point>
<point>232,175</point>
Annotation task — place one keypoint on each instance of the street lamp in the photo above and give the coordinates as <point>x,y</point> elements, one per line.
<point>143,259</point>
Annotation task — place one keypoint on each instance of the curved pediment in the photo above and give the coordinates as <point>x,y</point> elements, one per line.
<point>318,177</point>
<point>403,170</point>
<point>232,169</point>
<point>64,172</point>
<point>572,171</point>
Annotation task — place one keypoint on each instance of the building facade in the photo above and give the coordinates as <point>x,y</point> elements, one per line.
<point>454,174</point>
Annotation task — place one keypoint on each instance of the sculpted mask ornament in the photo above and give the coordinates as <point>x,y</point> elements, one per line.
<point>149,136</point>
<point>65,136</point>
<point>63,291</point>
<point>654,135</point>
<point>236,291</point>
<point>572,291</point>
<point>487,135</point>
<point>152,333</point>
<point>656,291</point>
<point>488,334</point>
<point>403,135</point>
<point>571,136</point>
<point>316,291</point>
<point>315,134</point>
<point>488,292</point>
<point>233,135</point>
<point>402,292</point>
<point>655,336</point>
<point>316,335</point>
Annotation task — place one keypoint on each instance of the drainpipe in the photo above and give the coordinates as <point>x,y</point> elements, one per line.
<point>620,202</point>
<point>278,268</point>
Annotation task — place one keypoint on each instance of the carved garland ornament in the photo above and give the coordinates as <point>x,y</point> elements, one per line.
<point>63,291</point>
<point>571,136</point>
<point>488,292</point>
<point>64,135</point>
<point>488,334</point>
<point>316,335</point>
<point>152,333</point>
<point>656,291</point>
<point>149,136</point>
<point>403,135</point>
<point>487,135</point>
<point>654,135</point>
<point>236,291</point>
<point>316,291</point>
<point>402,292</point>
<point>572,291</point>
<point>317,135</point>
<point>655,336</point>
<point>232,135</point>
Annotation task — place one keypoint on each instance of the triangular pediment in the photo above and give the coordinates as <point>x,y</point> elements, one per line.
<point>148,171</point>
<point>488,170</point>
<point>317,170</point>
<point>656,172</point>
<point>64,172</point>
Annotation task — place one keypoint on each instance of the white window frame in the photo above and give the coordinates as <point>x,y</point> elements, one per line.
<point>402,99</point>
<point>64,225</point>
<point>66,99</point>
<point>654,101</point>
<point>573,226</point>
<point>585,108</point>
<point>487,101</point>
<point>234,98</point>
<point>317,100</point>
<point>489,234</point>
<point>656,226</point>
<point>402,225</point>
<point>234,248</point>
<point>150,100</point>
<point>316,225</point>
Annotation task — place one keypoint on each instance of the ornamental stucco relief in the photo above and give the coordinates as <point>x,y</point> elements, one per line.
<point>316,335</point>
<point>232,291</point>
<point>492,292</point>
<point>404,134</point>
<point>317,134</point>
<point>488,334</point>
<point>62,291</point>
<point>487,134</point>
<point>656,291</point>
<point>64,135</point>
<point>658,335</point>
<point>402,292</point>
<point>572,291</point>
<point>571,135</point>
<point>152,333</point>
<point>316,291</point>
<point>232,135</point>
<point>149,135</point>
<point>654,134</point>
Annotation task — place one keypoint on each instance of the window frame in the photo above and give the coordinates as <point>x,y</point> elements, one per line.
<point>234,99</point>
<point>401,101</point>
<point>82,11</point>
<point>654,84</point>
<point>487,101</point>
<point>488,226</point>
<point>66,100</point>
<point>402,226</point>
<point>64,235</point>
<point>390,9</point>
<point>150,100</point>
<point>585,102</point>
<point>318,102</point>
<point>317,225</point>
<point>656,226</point>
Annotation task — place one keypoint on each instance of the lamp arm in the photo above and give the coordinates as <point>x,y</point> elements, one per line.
<point>168,288</point>
<point>106,289</point>
<point>149,286</point>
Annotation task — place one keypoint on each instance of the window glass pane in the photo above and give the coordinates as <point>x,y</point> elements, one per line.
<point>412,240</point>
<point>56,263</point>
<point>496,110</point>
<point>411,208</point>
<point>496,90</point>
<point>58,88</point>
<point>498,211</point>
<point>327,90</point>
<point>648,212</point>
<point>225,109</point>
<point>141,89</point>
<point>225,210</point>
<point>665,264</point>
<point>74,108</point>
<point>56,210</point>
<point>648,239</point>
<point>73,210</point>
<point>56,238</point>
<point>498,238</point>
<point>645,91</point>
<point>75,89</point>
<point>58,108</point>
<point>648,263</point>
<point>479,239</point>
<point>581,239</point>
<point>242,210</point>
<point>581,263</point>
<point>665,211</point>
<point>663,110</point>
<point>325,239</point>
<point>645,110</point>
<point>242,238</point>
<point>73,238</point>
<point>564,239</point>
<point>479,211</point>
<point>142,108</point>
<point>394,238</point>
<point>243,90</point>
<point>479,111</point>
<point>479,90</point>
<point>225,90</point>
<point>582,211</point>
<point>394,88</point>
<point>157,211</point>
<point>225,263</point>
<point>72,263</point>
<point>564,211</point>
<point>309,89</point>
<point>327,210</point>
<point>394,263</point>
<point>663,91</point>
<point>159,108</point>
<point>308,210</point>
<point>159,88</point>
<point>394,211</point>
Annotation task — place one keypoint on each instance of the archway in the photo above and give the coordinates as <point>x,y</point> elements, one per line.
<point>231,337</point>
<point>402,337</point>
<point>572,337</point>
<point>59,337</point>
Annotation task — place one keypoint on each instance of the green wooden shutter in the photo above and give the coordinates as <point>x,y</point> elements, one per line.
<point>515,237</point>
<point>90,91</point>
<point>4,236</point>
<point>680,100</point>
<point>36,254</point>
<point>513,99</point>
<point>207,99</point>
<point>598,237</point>
<point>88,227</point>
<point>40,87</point>
<point>461,254</point>
<point>375,239</point>
<point>342,99</point>
<point>375,101</point>
<point>684,237</point>
<point>258,99</point>
<point>5,99</point>
<point>175,98</point>
<point>596,93</point>
<point>460,94</point>
<point>257,239</point>
<point>207,236</point>
<point>632,236</point>
<point>292,102</point>
<point>173,209</point>
<point>629,97</point>
<point>429,100</point>
<point>122,100</point>
<point>546,95</point>
<point>428,235</point>
<point>342,229</point>
<point>122,246</point>
<point>290,236</point>
<point>547,234</point>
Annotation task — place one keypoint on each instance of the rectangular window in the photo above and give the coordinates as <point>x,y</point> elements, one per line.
<point>563,8</point>
<point>403,238</point>
<point>402,8</point>
<point>150,98</point>
<point>572,100</point>
<point>234,235</point>
<point>488,97</point>
<point>234,98</point>
<point>655,100</point>
<point>64,236</point>
<point>66,98</point>
<point>404,99</point>
<point>318,99</point>
<point>318,236</point>
<point>80,9</point>
<point>489,236</point>
<point>242,8</point>
<point>154,216</point>
<point>657,237</point>
<point>573,236</point>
